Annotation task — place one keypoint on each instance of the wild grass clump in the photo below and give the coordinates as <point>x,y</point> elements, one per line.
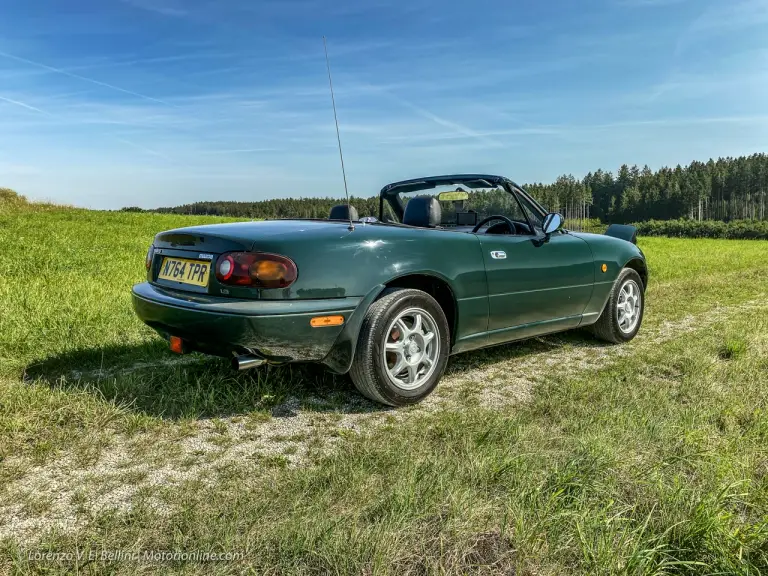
<point>11,199</point>
<point>733,349</point>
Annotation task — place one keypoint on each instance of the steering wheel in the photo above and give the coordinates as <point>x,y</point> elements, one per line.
<point>485,221</point>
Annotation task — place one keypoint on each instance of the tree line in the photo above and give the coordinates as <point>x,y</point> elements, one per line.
<point>724,189</point>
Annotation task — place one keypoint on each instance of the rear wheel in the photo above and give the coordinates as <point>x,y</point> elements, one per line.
<point>402,349</point>
<point>623,313</point>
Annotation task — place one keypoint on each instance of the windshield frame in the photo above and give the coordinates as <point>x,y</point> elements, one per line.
<point>391,192</point>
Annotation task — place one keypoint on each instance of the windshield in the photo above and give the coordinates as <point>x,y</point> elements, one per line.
<point>461,206</point>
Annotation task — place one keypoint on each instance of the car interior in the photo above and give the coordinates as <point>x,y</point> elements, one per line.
<point>426,212</point>
<point>474,206</point>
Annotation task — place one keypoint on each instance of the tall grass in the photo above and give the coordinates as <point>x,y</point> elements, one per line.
<point>653,462</point>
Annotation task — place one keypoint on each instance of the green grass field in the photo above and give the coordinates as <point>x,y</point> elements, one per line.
<point>557,455</point>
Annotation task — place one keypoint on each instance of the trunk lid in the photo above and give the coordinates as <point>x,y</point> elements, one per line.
<point>199,245</point>
<point>218,238</point>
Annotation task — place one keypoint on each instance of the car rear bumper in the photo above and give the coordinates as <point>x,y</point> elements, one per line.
<point>277,330</point>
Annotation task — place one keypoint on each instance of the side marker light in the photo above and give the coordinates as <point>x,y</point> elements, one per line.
<point>319,321</point>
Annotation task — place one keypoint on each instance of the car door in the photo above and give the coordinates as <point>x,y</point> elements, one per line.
<point>536,286</point>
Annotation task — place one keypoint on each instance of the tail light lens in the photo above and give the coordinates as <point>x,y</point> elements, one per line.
<point>257,269</point>
<point>150,253</point>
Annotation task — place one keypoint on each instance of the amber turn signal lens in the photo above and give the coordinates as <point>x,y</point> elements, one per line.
<point>257,269</point>
<point>319,321</point>
<point>267,270</point>
<point>604,267</point>
<point>177,345</point>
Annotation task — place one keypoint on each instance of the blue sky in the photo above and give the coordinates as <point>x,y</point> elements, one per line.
<point>109,103</point>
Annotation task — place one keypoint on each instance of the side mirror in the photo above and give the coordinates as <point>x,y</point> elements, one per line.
<point>552,223</point>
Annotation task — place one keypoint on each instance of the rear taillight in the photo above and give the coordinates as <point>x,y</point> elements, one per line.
<point>256,269</point>
<point>150,253</point>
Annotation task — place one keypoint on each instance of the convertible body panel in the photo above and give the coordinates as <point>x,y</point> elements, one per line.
<point>536,281</point>
<point>334,262</point>
<point>497,287</point>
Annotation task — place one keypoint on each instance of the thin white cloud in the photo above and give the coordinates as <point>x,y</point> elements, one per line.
<point>11,169</point>
<point>463,130</point>
<point>694,121</point>
<point>241,151</point>
<point>116,63</point>
<point>112,63</point>
<point>723,18</point>
<point>22,104</point>
<point>143,148</point>
<point>649,3</point>
<point>163,9</point>
<point>84,78</point>
<point>728,16</point>
<point>429,115</point>
<point>484,136</point>
<point>567,130</point>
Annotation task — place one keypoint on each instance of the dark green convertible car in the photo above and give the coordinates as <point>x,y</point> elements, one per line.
<point>450,264</point>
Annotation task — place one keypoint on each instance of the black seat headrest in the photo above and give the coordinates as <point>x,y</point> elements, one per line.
<point>343,212</point>
<point>422,211</point>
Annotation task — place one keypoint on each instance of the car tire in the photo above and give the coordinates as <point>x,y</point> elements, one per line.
<point>616,324</point>
<point>390,339</point>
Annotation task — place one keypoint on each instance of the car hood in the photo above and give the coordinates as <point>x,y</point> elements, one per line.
<point>603,245</point>
<point>585,235</point>
<point>597,239</point>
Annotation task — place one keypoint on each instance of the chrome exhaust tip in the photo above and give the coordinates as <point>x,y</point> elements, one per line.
<point>246,361</point>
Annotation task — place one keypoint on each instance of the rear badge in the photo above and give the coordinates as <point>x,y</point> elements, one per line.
<point>205,256</point>
<point>498,254</point>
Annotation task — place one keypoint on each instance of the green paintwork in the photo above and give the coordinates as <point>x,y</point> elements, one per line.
<point>543,285</point>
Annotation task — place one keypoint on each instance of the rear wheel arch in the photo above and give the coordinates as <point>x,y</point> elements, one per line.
<point>438,288</point>
<point>399,375</point>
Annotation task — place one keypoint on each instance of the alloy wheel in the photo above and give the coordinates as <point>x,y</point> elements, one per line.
<point>411,348</point>
<point>628,306</point>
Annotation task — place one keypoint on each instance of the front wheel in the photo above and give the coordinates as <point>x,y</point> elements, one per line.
<point>623,313</point>
<point>402,349</point>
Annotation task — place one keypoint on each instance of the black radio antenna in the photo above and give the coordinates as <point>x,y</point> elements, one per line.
<point>338,136</point>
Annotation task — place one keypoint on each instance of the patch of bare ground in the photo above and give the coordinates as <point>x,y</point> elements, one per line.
<point>62,493</point>
<point>112,372</point>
